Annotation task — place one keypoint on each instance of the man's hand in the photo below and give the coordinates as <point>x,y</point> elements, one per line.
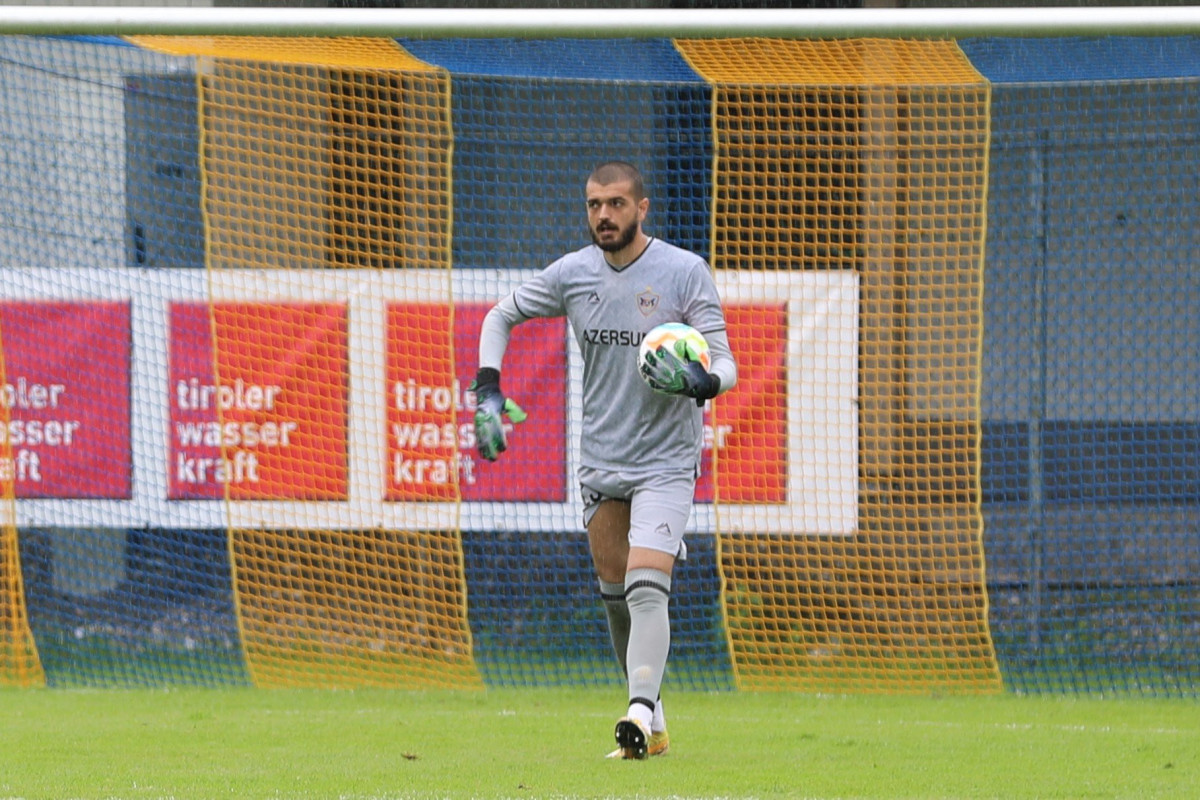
<point>490,406</point>
<point>682,374</point>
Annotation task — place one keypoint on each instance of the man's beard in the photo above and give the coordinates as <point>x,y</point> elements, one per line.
<point>624,239</point>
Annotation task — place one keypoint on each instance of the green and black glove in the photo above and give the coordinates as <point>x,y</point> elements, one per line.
<point>490,406</point>
<point>680,372</point>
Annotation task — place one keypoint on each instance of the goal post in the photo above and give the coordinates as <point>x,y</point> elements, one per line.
<point>245,256</point>
<point>945,23</point>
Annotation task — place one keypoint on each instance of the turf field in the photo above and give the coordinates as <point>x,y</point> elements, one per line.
<point>549,743</point>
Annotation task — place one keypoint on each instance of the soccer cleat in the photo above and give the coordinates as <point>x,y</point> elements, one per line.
<point>658,743</point>
<point>633,740</point>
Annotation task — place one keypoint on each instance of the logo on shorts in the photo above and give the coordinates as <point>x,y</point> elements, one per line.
<point>663,529</point>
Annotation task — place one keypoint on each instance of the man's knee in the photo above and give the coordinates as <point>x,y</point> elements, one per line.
<point>646,558</point>
<point>647,588</point>
<point>608,539</point>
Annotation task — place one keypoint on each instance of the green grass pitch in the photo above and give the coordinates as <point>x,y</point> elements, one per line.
<point>549,743</point>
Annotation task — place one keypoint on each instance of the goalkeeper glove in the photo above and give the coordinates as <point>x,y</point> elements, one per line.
<point>490,405</point>
<point>682,374</point>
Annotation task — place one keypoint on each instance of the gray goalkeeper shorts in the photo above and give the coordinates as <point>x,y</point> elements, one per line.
<point>660,504</point>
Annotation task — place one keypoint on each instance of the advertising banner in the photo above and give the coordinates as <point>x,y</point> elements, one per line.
<point>745,429</point>
<point>65,396</point>
<point>431,410</point>
<point>172,388</point>
<point>258,396</point>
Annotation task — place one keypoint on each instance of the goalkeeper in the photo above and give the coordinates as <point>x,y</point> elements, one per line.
<point>640,449</point>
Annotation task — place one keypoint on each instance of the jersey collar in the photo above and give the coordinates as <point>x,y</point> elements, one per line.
<point>649,241</point>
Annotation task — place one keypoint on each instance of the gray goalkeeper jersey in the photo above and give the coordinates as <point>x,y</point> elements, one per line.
<point>626,425</point>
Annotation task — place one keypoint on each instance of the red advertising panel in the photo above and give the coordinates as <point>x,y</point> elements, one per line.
<point>65,398</point>
<point>263,414</point>
<point>423,434</point>
<point>748,431</point>
<point>430,417</point>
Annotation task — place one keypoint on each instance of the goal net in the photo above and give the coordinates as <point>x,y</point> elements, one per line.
<point>243,278</point>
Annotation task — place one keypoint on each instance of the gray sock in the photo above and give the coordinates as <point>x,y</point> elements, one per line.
<point>617,611</point>
<point>647,592</point>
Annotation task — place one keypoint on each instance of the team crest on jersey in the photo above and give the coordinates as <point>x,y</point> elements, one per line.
<point>647,302</point>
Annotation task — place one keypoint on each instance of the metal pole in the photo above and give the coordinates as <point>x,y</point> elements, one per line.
<point>603,23</point>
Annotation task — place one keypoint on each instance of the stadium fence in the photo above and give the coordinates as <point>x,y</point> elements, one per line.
<point>242,280</point>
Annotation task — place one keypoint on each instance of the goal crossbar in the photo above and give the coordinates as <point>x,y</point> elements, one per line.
<point>603,23</point>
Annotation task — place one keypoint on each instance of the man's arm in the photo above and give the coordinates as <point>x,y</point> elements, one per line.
<point>496,330</point>
<point>490,402</point>
<point>721,361</point>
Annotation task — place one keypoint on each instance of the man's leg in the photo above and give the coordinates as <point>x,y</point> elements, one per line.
<point>608,538</point>
<point>648,590</point>
<point>659,511</point>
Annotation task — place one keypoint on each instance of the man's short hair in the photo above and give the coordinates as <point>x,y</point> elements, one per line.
<point>613,171</point>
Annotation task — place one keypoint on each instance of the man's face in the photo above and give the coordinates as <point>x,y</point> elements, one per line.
<point>614,214</point>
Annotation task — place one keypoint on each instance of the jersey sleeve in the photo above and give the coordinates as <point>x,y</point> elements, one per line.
<point>541,295</point>
<point>495,331</point>
<point>703,309</point>
<point>722,362</point>
<point>706,314</point>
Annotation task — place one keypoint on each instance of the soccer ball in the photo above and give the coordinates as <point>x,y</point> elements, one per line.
<point>683,340</point>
